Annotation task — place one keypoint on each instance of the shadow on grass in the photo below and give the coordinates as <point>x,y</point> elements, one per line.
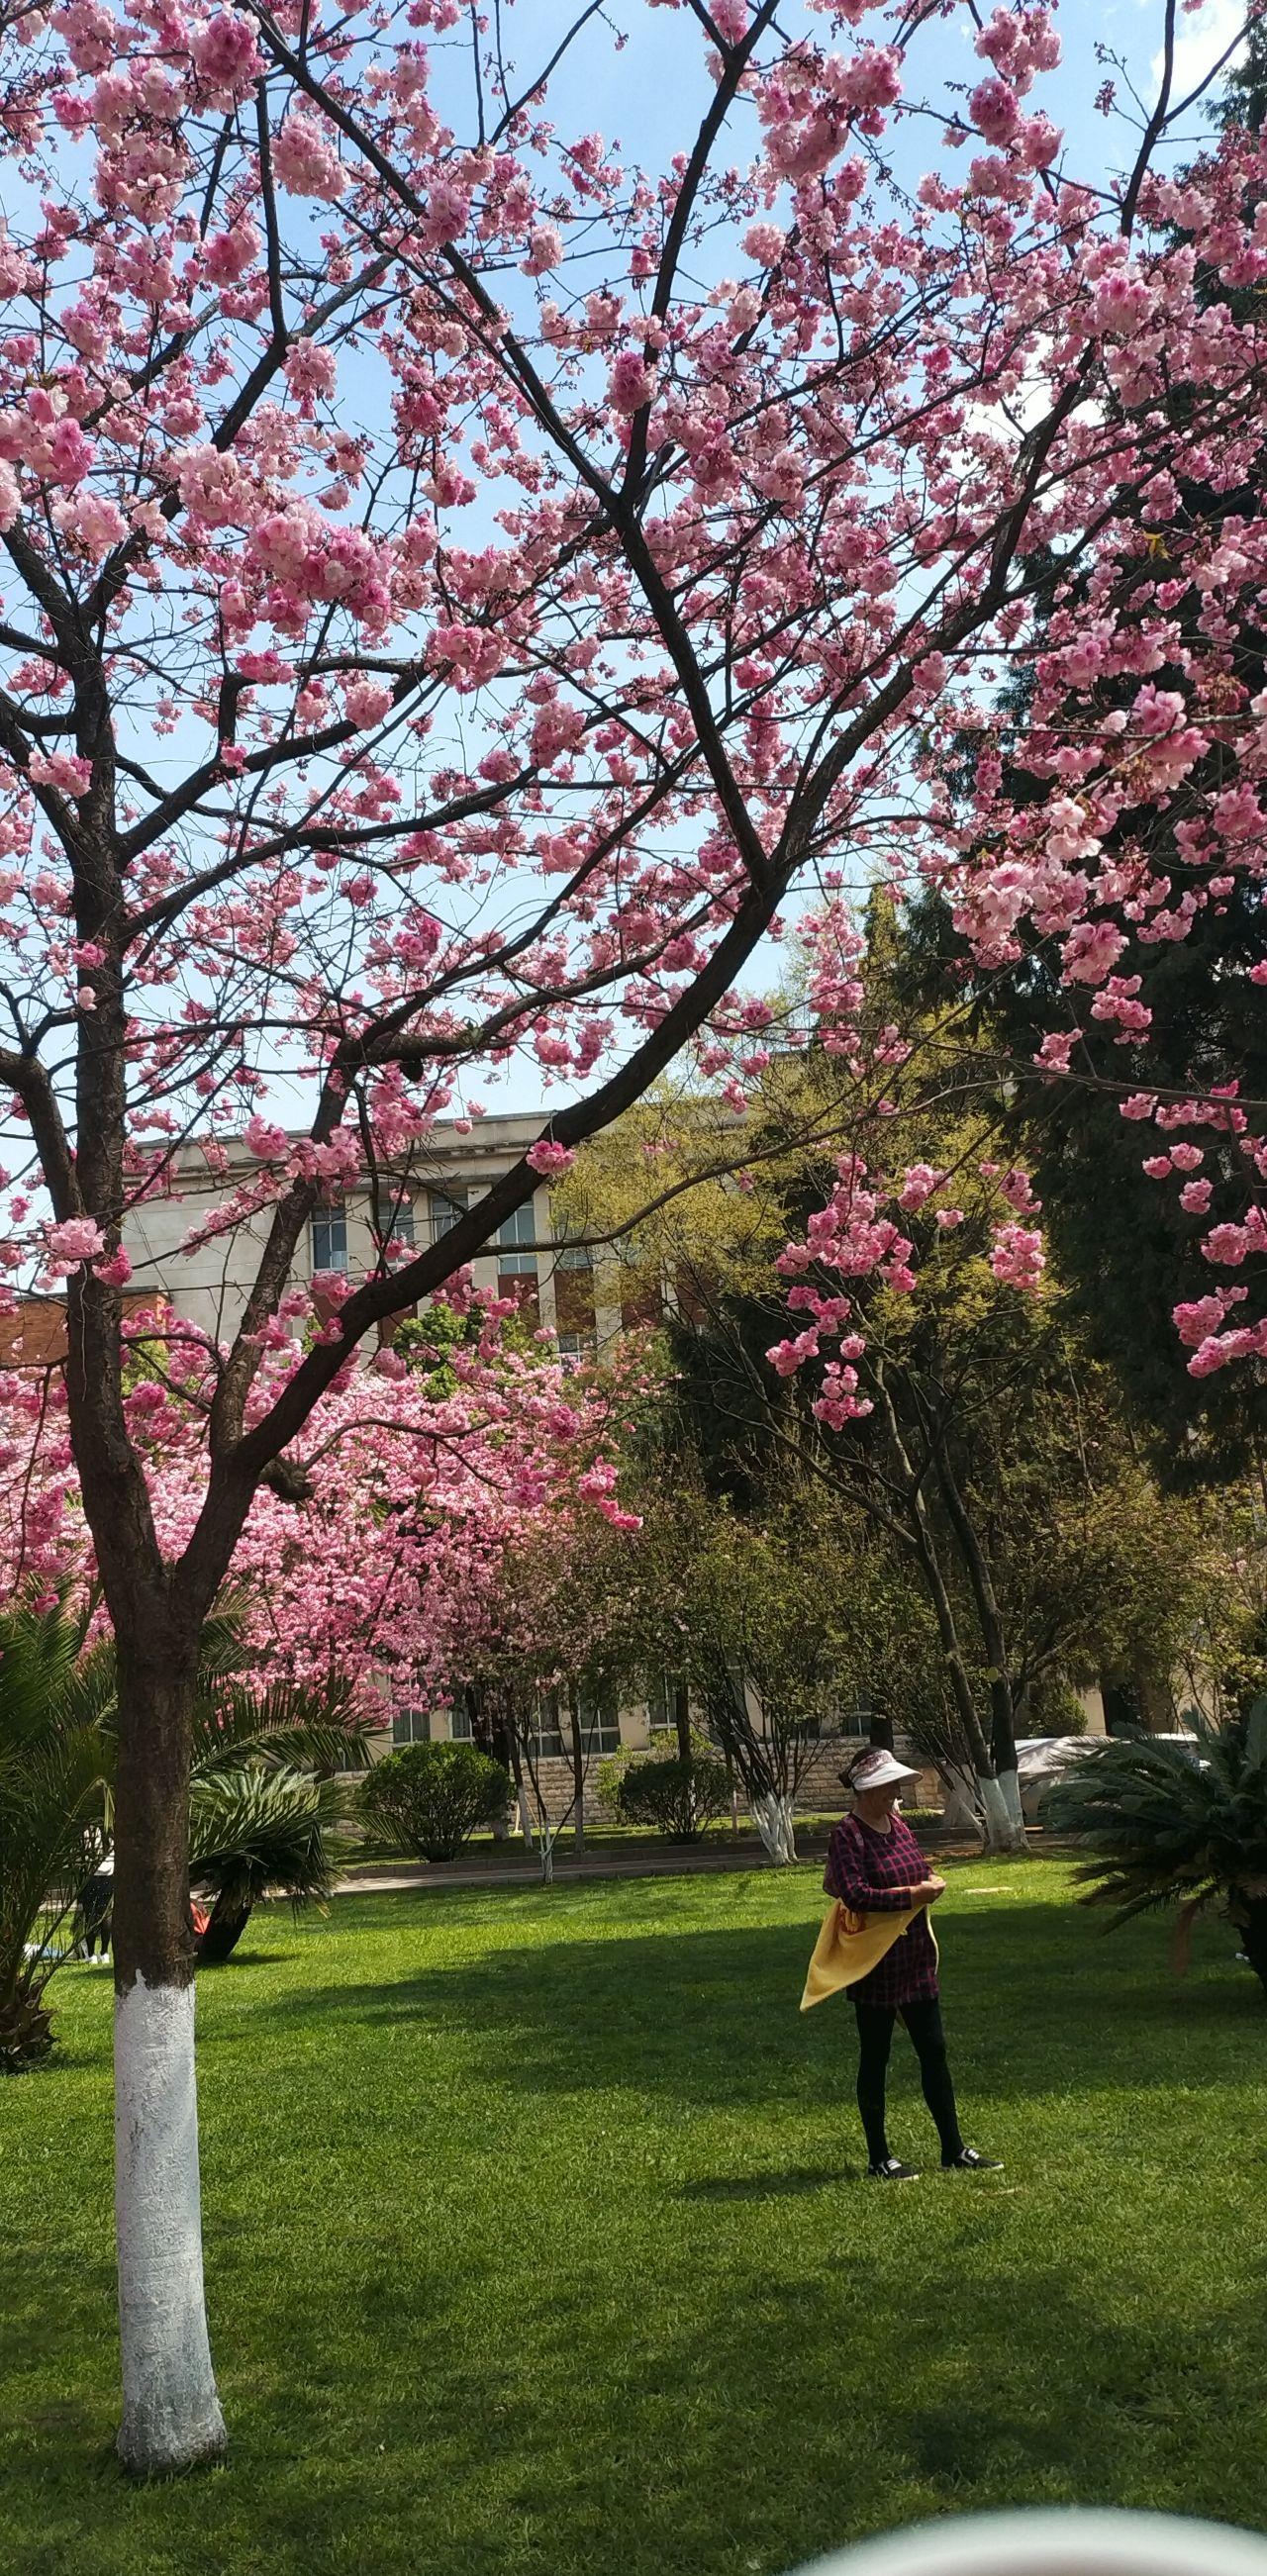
<point>677,2380</point>
<point>760,2418</point>
<point>1037,1997</point>
<point>246,1959</point>
<point>761,2186</point>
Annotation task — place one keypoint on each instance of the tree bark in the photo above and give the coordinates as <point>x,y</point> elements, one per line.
<point>1001,1835</point>
<point>578,1768</point>
<point>171,2412</point>
<point>962,1804</point>
<point>228,1922</point>
<point>993,1638</point>
<point>772,1814</point>
<point>521,1794</point>
<point>682,1719</point>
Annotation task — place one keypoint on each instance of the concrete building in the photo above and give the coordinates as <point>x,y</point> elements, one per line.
<point>560,1284</point>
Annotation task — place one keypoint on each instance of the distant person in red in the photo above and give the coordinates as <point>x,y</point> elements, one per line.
<point>875,1866</point>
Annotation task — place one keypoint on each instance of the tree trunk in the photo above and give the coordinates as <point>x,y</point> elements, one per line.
<point>490,1732</point>
<point>772,1815</point>
<point>229,1919</point>
<point>993,1638</point>
<point>26,2028</point>
<point>521,1794</point>
<point>1010,1784</point>
<point>963,1808</point>
<point>682,1719</point>
<point>1002,1837</point>
<point>578,1769</point>
<point>171,2413</point>
<point>1249,1914</point>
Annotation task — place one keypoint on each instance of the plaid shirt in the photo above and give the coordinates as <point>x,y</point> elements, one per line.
<point>871,1873</point>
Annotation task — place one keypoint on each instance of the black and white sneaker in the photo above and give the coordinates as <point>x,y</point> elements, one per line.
<point>969,2160</point>
<point>891,2169</point>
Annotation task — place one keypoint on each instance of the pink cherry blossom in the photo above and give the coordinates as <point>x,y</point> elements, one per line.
<point>1017,1257</point>
<point>77,1238</point>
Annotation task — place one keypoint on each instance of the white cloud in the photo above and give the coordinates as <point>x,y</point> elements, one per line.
<point>1200,43</point>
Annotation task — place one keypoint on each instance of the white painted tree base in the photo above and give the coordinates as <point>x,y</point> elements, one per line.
<point>171,2413</point>
<point>1003,1837</point>
<point>773,1818</point>
<point>961,1810</point>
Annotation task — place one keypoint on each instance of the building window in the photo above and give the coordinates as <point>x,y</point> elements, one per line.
<point>599,1723</point>
<point>662,1691</point>
<point>514,1259</point>
<point>330,1237</point>
<point>574,1311</point>
<point>411,1726</point>
<point>574,1256</point>
<point>856,1719</point>
<point>548,1742</point>
<point>398,1222</point>
<point>448,1207</point>
<point>576,1349</point>
<point>460,1728</point>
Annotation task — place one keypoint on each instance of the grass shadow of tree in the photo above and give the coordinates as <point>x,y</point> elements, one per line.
<point>713,2016</point>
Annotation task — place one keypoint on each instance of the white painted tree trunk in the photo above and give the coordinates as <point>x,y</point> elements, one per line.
<point>1010,1784</point>
<point>171,2413</point>
<point>773,1819</point>
<point>962,1811</point>
<point>1002,1837</point>
<point>547,1857</point>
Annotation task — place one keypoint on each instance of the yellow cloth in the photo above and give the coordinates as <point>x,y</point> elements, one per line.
<point>849,1946</point>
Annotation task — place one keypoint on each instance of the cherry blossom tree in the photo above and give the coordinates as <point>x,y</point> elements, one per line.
<point>461,586</point>
<point>379,1556</point>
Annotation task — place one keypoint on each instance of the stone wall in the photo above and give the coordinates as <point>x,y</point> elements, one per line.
<point>822,1792</point>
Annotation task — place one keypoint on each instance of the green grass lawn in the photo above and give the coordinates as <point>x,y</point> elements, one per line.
<point>537,2244</point>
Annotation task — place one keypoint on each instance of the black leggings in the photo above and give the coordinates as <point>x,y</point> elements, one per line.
<point>875,2035</point>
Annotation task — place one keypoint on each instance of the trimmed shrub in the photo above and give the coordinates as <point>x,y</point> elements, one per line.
<point>679,1798</point>
<point>428,1797</point>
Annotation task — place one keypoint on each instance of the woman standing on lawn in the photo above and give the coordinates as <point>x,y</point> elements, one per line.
<point>875,1866</point>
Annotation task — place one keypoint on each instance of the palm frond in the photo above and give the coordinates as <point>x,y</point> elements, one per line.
<point>1160,1825</point>
<point>298,1726</point>
<point>251,1831</point>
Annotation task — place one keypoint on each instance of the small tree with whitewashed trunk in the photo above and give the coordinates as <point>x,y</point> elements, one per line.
<point>747,1610</point>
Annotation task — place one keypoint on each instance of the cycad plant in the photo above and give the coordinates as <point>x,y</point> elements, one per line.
<point>1163,1825</point>
<point>266,1803</point>
<point>54,1764</point>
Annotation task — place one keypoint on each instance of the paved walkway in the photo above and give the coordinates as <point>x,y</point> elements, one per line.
<point>433,1878</point>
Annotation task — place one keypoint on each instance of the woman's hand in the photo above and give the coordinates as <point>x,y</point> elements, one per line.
<point>928,1891</point>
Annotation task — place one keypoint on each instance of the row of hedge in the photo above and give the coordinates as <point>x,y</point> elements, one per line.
<point>429,1798</point>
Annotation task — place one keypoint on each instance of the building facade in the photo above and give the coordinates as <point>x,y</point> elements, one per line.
<point>561,1285</point>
